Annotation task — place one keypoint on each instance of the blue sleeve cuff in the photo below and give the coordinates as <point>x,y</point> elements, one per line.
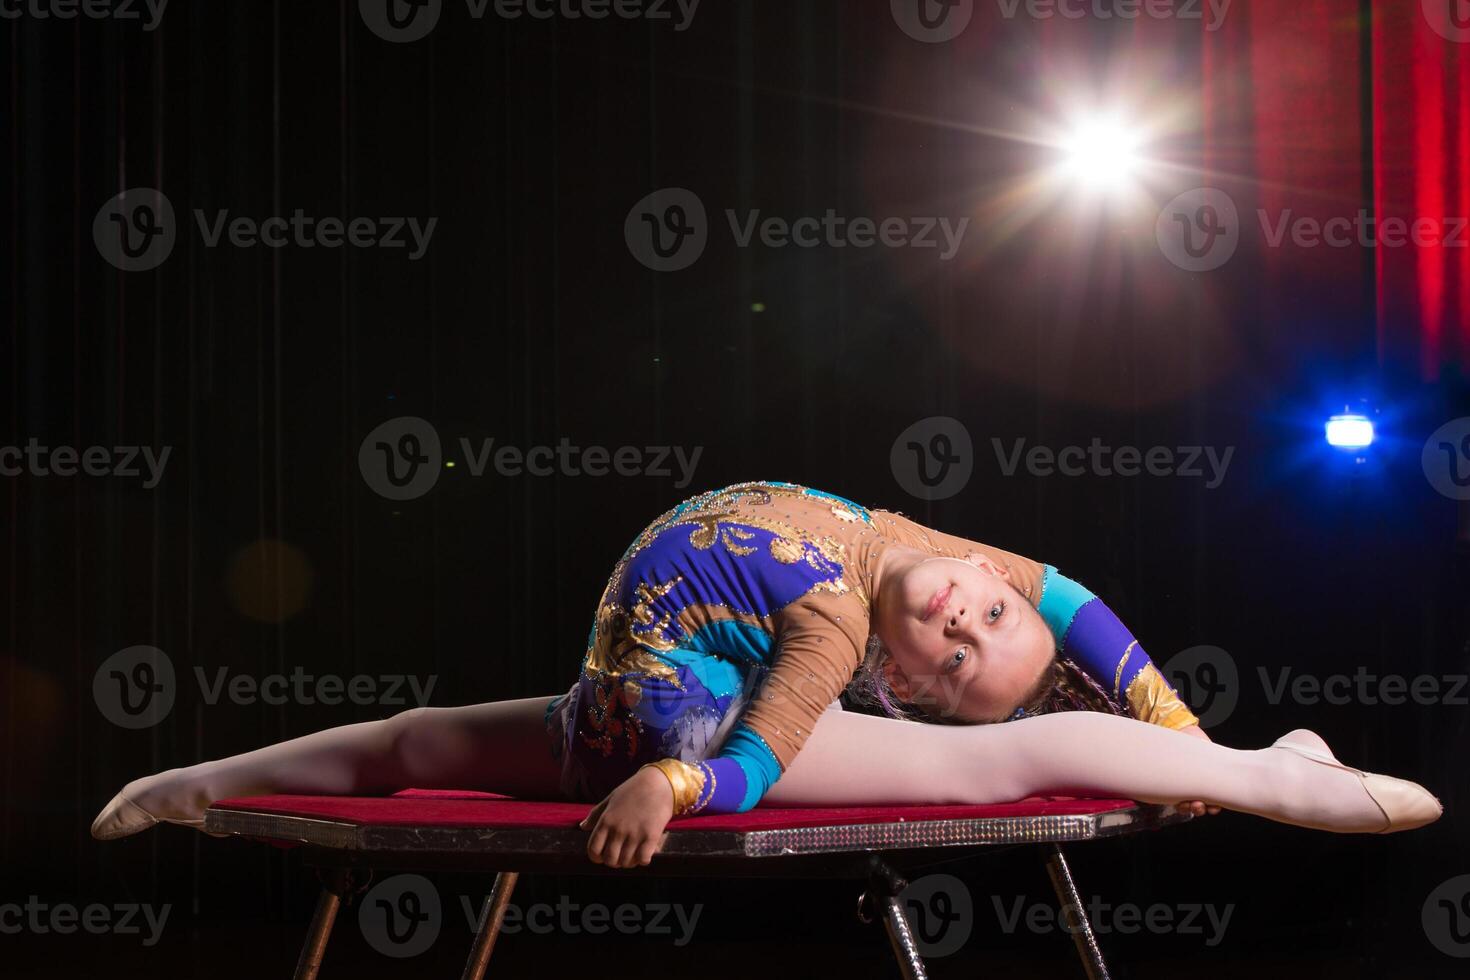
<point>744,771</point>
<point>1061,600</point>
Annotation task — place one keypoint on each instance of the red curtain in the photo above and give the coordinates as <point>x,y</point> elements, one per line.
<point>1421,156</point>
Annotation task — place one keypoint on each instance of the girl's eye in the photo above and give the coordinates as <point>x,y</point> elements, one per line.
<point>958,658</point>
<point>995,612</point>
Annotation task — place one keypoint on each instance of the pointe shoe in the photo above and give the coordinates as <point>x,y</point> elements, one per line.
<point>123,818</point>
<point>1405,805</point>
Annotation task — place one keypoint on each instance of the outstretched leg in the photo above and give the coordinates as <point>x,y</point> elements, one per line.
<point>854,759</point>
<point>500,747</point>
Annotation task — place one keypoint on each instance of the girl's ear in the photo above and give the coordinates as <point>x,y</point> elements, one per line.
<point>897,680</point>
<point>986,565</point>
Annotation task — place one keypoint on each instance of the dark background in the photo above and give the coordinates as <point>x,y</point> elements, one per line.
<point>529,321</point>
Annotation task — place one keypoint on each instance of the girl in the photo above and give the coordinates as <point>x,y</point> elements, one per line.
<point>724,638</point>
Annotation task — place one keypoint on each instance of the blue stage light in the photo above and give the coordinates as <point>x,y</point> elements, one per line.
<point>1350,431</point>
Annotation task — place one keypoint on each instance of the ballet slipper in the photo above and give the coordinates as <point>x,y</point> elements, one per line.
<point>122,818</point>
<point>1405,805</point>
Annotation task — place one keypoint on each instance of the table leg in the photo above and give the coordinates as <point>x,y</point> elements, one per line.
<point>884,886</point>
<point>334,886</point>
<point>492,915</point>
<point>1072,910</point>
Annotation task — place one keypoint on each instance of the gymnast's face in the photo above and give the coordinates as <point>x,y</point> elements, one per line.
<point>963,642</point>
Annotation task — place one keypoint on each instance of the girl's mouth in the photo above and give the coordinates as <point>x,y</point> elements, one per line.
<point>940,600</point>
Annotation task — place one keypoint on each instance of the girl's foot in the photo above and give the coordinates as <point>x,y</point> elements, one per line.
<point>1397,804</point>
<point>148,801</point>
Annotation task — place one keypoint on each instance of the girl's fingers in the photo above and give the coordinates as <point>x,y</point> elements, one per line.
<point>646,852</point>
<point>614,852</point>
<point>593,816</point>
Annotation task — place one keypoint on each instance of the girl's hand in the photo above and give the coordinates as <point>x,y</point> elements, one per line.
<point>627,827</point>
<point>1195,807</point>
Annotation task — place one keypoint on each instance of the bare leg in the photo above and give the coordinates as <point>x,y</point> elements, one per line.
<point>499,747</point>
<point>853,759</point>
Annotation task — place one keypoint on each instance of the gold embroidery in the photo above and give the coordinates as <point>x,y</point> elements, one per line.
<point>1118,674</point>
<point>1151,699</point>
<point>731,539</point>
<point>786,551</point>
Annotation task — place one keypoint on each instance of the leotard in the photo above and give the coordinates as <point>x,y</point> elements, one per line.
<point>735,619</point>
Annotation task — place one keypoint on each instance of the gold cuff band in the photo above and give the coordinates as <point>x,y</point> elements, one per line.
<point>1151,699</point>
<point>686,781</point>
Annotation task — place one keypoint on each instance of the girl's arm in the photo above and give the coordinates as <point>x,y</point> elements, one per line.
<point>819,649</point>
<point>1089,634</point>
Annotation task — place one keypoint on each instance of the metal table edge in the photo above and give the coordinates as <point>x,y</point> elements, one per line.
<point>784,842</point>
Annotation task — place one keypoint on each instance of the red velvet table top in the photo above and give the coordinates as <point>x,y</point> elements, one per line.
<point>465,808</point>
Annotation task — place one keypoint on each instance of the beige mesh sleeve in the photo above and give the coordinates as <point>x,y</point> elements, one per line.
<point>820,644</point>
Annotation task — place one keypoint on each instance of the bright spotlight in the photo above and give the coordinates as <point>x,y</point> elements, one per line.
<point>1102,153</point>
<point>1350,431</point>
